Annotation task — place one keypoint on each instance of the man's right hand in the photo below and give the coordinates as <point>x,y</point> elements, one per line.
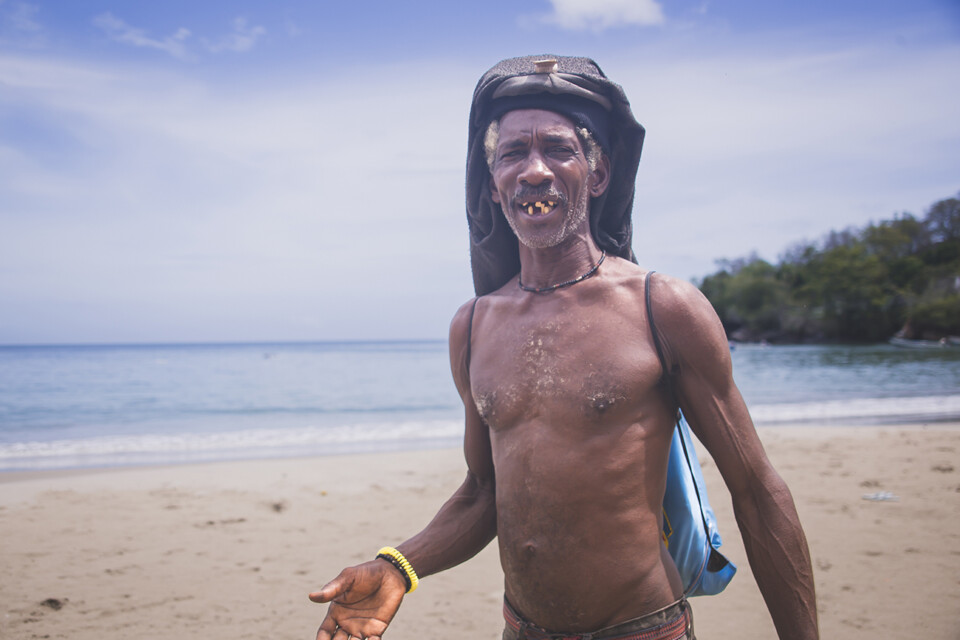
<point>363,600</point>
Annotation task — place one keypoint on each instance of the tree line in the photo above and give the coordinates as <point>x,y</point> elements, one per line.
<point>896,277</point>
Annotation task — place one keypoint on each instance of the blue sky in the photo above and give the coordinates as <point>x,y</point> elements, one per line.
<point>226,171</point>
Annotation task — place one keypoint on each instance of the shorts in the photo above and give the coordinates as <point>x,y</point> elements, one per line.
<point>673,622</point>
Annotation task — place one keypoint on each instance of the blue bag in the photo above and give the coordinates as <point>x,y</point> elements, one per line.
<point>689,524</point>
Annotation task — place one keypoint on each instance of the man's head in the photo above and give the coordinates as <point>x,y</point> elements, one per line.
<point>608,140</point>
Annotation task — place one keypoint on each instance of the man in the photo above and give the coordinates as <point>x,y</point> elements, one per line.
<point>568,412</point>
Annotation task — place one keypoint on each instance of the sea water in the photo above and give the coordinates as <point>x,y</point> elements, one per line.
<point>82,406</point>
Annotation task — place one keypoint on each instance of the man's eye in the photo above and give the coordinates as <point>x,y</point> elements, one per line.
<point>563,151</point>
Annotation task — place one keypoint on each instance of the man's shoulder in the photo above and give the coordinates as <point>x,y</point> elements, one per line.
<point>674,293</point>
<point>684,317</point>
<point>665,290</point>
<point>462,319</point>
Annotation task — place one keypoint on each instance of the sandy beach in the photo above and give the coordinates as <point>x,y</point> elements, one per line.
<point>230,550</point>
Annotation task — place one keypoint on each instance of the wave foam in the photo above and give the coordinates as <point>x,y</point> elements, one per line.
<point>860,409</point>
<point>159,448</point>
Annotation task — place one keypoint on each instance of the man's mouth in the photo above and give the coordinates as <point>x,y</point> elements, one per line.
<point>539,208</point>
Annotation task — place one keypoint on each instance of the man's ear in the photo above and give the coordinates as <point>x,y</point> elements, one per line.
<point>493,191</point>
<point>600,177</point>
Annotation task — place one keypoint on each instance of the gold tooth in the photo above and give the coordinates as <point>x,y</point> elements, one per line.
<point>530,209</point>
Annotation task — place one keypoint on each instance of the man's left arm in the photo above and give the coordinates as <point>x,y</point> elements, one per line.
<point>699,355</point>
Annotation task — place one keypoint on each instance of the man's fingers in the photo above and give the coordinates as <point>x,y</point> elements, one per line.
<point>328,591</point>
<point>327,628</point>
<point>341,634</point>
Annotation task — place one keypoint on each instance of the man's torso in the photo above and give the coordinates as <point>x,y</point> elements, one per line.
<point>568,383</point>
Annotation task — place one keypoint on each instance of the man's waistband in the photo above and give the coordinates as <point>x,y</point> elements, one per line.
<point>670,623</point>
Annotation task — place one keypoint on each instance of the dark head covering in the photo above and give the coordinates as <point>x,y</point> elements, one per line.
<point>579,90</point>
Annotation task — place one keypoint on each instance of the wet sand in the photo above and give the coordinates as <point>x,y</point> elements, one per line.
<point>230,550</point>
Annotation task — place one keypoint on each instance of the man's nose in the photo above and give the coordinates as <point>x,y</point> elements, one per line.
<point>535,172</point>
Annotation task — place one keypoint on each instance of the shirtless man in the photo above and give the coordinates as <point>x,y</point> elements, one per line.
<point>568,419</point>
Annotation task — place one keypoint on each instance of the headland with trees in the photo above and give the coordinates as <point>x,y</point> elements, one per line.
<point>898,277</point>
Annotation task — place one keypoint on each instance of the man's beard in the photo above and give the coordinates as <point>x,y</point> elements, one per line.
<point>575,217</point>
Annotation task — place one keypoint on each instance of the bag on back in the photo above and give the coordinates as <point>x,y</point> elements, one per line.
<point>689,524</point>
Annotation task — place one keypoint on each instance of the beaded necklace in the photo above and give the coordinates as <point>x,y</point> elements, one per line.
<point>554,287</point>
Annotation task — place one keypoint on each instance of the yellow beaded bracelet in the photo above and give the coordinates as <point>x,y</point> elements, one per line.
<point>389,553</point>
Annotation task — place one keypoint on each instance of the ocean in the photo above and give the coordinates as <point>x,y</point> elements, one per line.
<point>89,406</point>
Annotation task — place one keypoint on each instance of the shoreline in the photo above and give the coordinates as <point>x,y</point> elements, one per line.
<point>231,548</point>
<point>86,455</point>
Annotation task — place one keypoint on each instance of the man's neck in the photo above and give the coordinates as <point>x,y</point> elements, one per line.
<point>566,262</point>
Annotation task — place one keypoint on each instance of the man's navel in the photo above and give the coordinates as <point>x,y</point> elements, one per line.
<point>529,550</point>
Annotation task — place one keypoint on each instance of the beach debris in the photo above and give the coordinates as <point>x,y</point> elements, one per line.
<point>942,468</point>
<point>280,506</point>
<point>881,496</point>
<point>213,523</point>
<point>54,603</point>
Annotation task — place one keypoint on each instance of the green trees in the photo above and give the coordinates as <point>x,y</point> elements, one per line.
<point>854,286</point>
<point>748,296</point>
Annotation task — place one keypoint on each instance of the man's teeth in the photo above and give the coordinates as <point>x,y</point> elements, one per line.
<point>540,207</point>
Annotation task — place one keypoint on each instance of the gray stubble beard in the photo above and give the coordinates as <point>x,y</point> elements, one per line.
<point>570,225</point>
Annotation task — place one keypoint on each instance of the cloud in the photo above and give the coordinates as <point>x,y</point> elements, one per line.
<point>18,25</point>
<point>598,15</point>
<point>21,17</point>
<point>242,39</point>
<point>120,31</point>
<point>164,205</point>
<point>293,29</point>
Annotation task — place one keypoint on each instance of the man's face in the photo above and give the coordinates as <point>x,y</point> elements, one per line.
<point>541,179</point>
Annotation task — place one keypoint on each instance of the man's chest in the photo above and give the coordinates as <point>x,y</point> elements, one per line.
<point>576,367</point>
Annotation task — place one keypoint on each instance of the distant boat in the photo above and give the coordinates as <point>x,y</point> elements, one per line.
<point>942,343</point>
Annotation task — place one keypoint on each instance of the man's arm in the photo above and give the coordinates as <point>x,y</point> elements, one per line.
<point>699,355</point>
<point>364,599</point>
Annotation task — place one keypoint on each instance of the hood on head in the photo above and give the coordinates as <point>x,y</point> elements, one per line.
<point>578,89</point>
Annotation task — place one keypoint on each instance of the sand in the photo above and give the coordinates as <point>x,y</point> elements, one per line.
<point>230,550</point>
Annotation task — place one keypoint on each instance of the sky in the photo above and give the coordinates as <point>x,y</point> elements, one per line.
<point>248,171</point>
